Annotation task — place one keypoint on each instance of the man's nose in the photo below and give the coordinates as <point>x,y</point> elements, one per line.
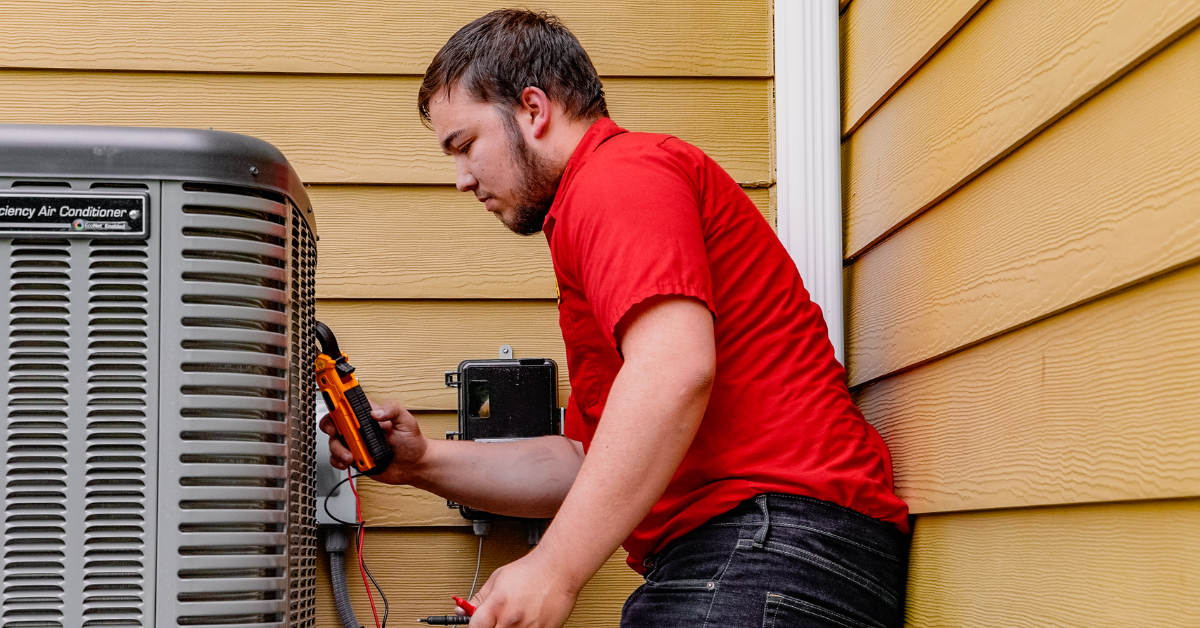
<point>464,180</point>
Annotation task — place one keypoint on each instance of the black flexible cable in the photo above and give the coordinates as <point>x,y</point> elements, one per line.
<point>330,494</point>
<point>346,613</point>
<point>357,544</point>
<point>372,579</point>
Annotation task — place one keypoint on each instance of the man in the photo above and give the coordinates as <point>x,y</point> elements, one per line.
<point>709,428</point>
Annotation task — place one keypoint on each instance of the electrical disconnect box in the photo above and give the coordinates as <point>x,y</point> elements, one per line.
<point>505,399</point>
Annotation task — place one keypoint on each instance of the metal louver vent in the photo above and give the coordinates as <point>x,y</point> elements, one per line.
<point>81,318</point>
<point>302,551</point>
<point>35,493</point>
<point>235,564</point>
<point>114,570</point>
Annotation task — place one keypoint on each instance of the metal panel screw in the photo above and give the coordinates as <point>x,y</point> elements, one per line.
<point>253,170</point>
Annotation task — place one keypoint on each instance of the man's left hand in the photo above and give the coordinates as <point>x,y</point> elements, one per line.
<point>527,593</point>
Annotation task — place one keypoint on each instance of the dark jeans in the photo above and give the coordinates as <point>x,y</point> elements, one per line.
<point>777,560</point>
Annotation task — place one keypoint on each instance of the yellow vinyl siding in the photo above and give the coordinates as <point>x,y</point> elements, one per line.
<point>661,38</point>
<point>1014,68</point>
<point>422,242</point>
<point>430,242</point>
<point>1022,239</point>
<point>1098,403</point>
<point>884,42</point>
<point>1103,566</point>
<point>364,129</point>
<point>1104,198</point>
<point>403,347</point>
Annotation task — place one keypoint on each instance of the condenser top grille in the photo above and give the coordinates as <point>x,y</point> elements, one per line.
<point>213,160</point>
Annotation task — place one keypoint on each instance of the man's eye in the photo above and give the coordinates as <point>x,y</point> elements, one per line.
<point>465,148</point>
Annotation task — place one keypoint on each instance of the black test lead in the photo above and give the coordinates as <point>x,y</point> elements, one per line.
<point>445,620</point>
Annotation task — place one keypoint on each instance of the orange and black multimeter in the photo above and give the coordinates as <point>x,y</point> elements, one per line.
<point>348,405</point>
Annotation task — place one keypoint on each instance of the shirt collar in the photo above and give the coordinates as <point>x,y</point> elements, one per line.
<point>601,131</point>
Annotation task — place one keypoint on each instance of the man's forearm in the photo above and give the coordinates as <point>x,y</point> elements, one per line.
<point>633,456</point>
<point>526,478</point>
<point>653,411</point>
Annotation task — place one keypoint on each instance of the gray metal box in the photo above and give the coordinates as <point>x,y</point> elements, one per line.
<point>158,421</point>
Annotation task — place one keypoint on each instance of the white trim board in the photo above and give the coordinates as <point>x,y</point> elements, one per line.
<point>807,146</point>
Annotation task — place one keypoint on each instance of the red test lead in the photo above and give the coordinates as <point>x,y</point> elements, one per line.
<point>463,604</point>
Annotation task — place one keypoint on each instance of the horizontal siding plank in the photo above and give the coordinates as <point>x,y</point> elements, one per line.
<point>349,129</point>
<point>767,201</point>
<point>663,38</point>
<point>430,242</point>
<point>1094,404</point>
<point>402,348</point>
<point>1014,68</point>
<point>1115,565</point>
<point>885,41</point>
<point>1105,197</point>
<point>388,506</point>
<point>420,569</point>
<point>422,242</point>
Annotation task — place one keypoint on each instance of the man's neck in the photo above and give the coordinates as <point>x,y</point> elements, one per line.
<point>571,134</point>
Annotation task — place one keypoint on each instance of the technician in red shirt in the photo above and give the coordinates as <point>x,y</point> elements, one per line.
<point>709,428</point>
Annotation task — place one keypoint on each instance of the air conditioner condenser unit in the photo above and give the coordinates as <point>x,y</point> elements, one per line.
<point>158,421</point>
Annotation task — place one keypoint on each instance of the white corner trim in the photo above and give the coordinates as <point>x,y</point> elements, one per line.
<point>808,146</point>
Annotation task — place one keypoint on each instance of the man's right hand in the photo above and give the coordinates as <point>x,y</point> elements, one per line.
<point>402,432</point>
<point>524,478</point>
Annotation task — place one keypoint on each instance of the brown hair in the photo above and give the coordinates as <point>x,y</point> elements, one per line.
<point>500,54</point>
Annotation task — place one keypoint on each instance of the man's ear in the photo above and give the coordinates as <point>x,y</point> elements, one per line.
<point>535,111</point>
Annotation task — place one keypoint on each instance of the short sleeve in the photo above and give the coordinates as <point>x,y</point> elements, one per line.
<point>637,233</point>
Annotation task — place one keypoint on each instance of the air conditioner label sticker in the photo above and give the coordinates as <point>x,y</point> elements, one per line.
<point>86,215</point>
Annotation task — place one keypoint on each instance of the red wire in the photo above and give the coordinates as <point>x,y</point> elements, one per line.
<point>362,529</point>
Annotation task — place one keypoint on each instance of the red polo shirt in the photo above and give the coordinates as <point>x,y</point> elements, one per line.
<point>639,215</point>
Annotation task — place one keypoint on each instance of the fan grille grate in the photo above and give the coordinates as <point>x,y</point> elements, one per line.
<point>114,569</point>
<point>302,551</point>
<point>239,443</point>
<point>35,492</point>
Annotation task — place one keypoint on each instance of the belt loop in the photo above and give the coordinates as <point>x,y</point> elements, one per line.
<point>761,537</point>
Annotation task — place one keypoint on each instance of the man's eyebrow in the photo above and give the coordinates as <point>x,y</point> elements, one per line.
<point>449,140</point>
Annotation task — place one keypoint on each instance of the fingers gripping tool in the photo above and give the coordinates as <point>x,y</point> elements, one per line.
<point>349,408</point>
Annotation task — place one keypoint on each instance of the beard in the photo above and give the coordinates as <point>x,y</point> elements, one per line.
<point>538,183</point>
